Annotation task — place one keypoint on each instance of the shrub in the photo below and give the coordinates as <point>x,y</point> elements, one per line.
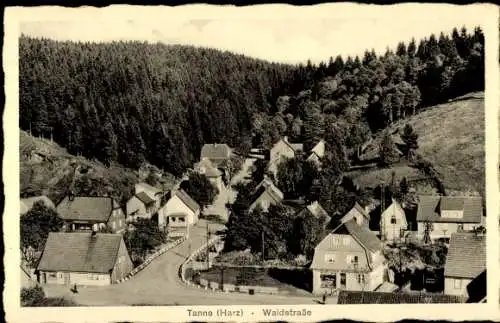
<point>32,296</point>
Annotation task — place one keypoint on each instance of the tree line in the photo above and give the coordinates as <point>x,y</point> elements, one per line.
<point>130,102</point>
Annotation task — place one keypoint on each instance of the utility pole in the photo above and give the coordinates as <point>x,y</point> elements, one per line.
<point>208,249</point>
<point>382,209</point>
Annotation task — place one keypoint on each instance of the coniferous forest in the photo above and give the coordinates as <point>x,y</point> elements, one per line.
<point>130,102</point>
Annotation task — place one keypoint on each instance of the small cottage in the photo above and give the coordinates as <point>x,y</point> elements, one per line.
<point>359,214</point>
<point>281,151</point>
<point>265,195</point>
<point>91,213</point>
<point>27,203</point>
<point>440,216</point>
<point>179,213</point>
<point>348,258</point>
<point>315,210</point>
<point>214,175</point>
<point>83,258</point>
<point>141,205</point>
<point>216,153</point>
<point>393,223</point>
<point>317,152</point>
<point>153,192</point>
<point>465,261</point>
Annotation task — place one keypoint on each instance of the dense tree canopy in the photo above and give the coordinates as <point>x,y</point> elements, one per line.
<point>200,189</point>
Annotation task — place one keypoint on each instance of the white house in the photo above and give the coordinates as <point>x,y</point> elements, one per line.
<point>359,214</point>
<point>393,222</point>
<point>349,258</point>
<point>179,213</point>
<point>466,260</point>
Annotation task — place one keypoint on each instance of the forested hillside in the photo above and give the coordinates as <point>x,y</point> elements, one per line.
<point>129,101</point>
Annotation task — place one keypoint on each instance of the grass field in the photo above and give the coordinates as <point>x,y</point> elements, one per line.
<point>451,136</point>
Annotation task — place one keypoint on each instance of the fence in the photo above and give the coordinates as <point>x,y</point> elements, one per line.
<point>151,258</point>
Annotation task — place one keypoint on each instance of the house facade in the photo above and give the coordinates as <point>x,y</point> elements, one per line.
<point>141,205</point>
<point>281,151</point>
<point>317,152</point>
<point>83,258</point>
<point>349,258</point>
<point>265,195</point>
<point>178,214</point>
<point>27,203</point>
<point>153,192</point>
<point>465,261</point>
<point>393,223</point>
<point>87,213</point>
<point>359,214</point>
<point>214,175</point>
<point>440,216</point>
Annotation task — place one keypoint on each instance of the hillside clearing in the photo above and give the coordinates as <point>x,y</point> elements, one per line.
<point>451,137</point>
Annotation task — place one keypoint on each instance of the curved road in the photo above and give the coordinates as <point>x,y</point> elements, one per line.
<point>160,284</point>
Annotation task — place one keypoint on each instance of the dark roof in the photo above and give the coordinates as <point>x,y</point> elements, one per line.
<point>266,189</point>
<point>146,186</point>
<point>188,200</point>
<point>477,288</point>
<point>359,297</point>
<point>466,256</point>
<point>144,198</point>
<point>215,151</point>
<point>207,167</point>
<point>429,208</point>
<point>361,233</point>
<point>86,208</point>
<point>80,252</point>
<point>360,209</point>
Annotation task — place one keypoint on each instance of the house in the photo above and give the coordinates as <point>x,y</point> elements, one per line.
<point>393,222</point>
<point>141,205</point>
<point>83,258</point>
<point>360,297</point>
<point>440,216</point>
<point>350,258</point>
<point>218,154</point>
<point>359,214</point>
<point>91,213</point>
<point>281,151</point>
<point>27,203</point>
<point>265,195</point>
<point>179,213</point>
<point>213,174</point>
<point>317,152</point>
<point>466,260</point>
<point>154,193</point>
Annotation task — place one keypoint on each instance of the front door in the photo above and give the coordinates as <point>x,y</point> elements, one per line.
<point>343,280</point>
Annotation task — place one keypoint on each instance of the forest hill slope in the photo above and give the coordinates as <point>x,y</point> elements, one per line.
<point>451,137</point>
<point>48,169</point>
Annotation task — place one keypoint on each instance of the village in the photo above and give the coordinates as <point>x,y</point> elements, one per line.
<point>373,253</point>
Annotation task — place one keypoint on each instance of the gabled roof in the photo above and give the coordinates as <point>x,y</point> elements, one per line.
<point>209,169</point>
<point>360,209</point>
<point>359,297</point>
<point>267,189</point>
<point>187,200</point>
<point>429,208</point>
<point>27,203</point>
<point>318,149</point>
<point>466,256</point>
<point>215,151</point>
<point>147,187</point>
<point>317,210</point>
<point>294,146</point>
<point>87,208</point>
<point>144,198</point>
<point>362,234</point>
<point>80,252</point>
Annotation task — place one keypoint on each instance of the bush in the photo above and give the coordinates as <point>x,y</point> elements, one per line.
<point>32,296</point>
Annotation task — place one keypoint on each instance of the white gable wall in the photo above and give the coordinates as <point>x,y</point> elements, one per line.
<point>175,205</point>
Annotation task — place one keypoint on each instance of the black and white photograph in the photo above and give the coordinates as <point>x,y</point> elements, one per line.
<point>234,158</point>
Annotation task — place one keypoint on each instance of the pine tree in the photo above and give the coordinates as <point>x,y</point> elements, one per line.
<point>388,154</point>
<point>410,138</point>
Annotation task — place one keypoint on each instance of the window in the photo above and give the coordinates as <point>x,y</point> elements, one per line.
<point>52,275</point>
<point>460,227</point>
<point>59,275</point>
<point>393,220</point>
<point>361,278</point>
<point>182,220</point>
<point>329,258</point>
<point>457,284</point>
<point>328,281</point>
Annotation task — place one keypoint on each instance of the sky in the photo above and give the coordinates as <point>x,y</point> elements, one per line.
<point>276,33</point>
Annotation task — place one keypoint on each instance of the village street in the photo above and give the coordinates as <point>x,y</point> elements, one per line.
<point>160,284</point>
